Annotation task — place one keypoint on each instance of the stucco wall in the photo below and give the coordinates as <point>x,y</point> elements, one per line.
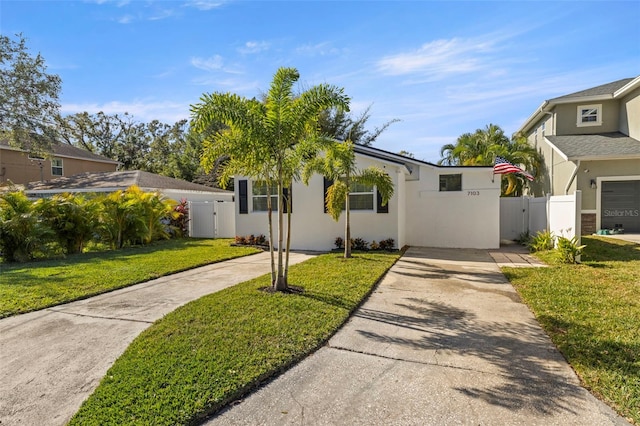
<point>468,218</point>
<point>419,214</point>
<point>567,115</point>
<point>630,114</point>
<point>312,229</point>
<point>598,169</point>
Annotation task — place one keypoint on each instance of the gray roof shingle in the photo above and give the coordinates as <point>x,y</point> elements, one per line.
<point>597,147</point>
<point>604,89</point>
<point>118,180</point>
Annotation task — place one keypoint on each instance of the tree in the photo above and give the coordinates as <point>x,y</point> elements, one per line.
<point>267,140</point>
<point>481,148</point>
<point>339,125</point>
<point>28,97</point>
<point>339,166</point>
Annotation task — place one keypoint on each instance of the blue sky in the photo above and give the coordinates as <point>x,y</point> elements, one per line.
<point>442,68</point>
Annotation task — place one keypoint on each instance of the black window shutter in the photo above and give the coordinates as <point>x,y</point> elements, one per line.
<point>327,184</point>
<point>379,207</point>
<point>242,196</point>
<point>287,194</point>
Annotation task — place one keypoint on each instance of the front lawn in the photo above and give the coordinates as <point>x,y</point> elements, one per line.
<point>213,350</point>
<point>26,287</point>
<point>592,313</point>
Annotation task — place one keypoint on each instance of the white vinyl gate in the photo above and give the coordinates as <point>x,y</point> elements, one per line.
<point>212,219</point>
<point>559,214</point>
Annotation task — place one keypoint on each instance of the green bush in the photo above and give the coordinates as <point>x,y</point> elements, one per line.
<point>22,232</point>
<point>542,241</point>
<point>72,218</point>
<point>568,250</point>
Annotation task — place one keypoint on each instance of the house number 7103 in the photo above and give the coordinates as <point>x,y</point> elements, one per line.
<point>472,193</point>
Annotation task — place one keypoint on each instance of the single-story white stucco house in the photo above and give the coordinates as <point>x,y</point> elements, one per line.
<point>435,206</point>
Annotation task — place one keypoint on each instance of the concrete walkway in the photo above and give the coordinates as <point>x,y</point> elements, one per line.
<point>443,340</point>
<point>51,360</point>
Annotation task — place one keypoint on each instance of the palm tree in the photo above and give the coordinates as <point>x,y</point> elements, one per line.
<point>481,148</point>
<point>264,140</point>
<point>339,165</point>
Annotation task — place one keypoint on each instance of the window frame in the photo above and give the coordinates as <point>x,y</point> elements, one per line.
<point>446,186</point>
<point>372,192</point>
<point>597,108</point>
<point>55,166</point>
<point>254,196</point>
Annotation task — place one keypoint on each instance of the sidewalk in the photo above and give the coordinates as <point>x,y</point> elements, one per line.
<point>443,340</point>
<point>51,360</point>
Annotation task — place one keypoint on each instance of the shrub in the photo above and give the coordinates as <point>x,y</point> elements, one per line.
<point>241,240</point>
<point>542,241</point>
<point>359,244</point>
<point>387,244</point>
<point>180,223</point>
<point>72,218</point>
<point>22,232</point>
<point>374,245</point>
<point>339,243</point>
<point>524,238</point>
<point>568,250</point>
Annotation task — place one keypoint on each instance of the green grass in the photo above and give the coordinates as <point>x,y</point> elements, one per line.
<point>26,287</point>
<point>592,313</point>
<point>215,349</point>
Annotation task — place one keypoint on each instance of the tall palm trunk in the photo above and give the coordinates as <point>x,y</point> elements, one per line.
<point>347,221</point>
<point>286,261</point>
<point>270,218</point>
<point>280,283</point>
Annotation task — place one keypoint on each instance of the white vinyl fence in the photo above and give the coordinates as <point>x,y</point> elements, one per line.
<point>560,214</point>
<point>212,219</point>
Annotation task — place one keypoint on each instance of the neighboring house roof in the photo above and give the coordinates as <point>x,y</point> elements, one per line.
<point>613,90</point>
<point>112,181</point>
<point>63,150</point>
<point>605,146</point>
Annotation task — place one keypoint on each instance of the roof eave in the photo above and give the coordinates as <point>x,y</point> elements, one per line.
<point>535,117</point>
<point>632,85</point>
<point>604,157</point>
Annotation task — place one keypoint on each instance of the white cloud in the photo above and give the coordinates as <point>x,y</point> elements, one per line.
<point>439,59</point>
<point>205,4</point>
<point>141,110</point>
<point>213,63</point>
<point>318,49</point>
<point>254,47</point>
<point>126,19</point>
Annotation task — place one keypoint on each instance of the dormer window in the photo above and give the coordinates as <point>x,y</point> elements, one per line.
<point>589,115</point>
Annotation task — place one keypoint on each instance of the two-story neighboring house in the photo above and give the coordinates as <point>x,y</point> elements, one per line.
<point>590,141</point>
<point>21,167</point>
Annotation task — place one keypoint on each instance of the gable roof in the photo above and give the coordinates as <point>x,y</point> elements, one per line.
<point>113,181</point>
<point>613,90</point>
<point>606,90</point>
<point>604,146</point>
<point>64,150</point>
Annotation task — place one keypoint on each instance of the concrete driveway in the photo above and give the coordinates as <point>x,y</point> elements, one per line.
<point>443,340</point>
<point>51,360</point>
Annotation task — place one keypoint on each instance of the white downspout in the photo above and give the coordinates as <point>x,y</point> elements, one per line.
<point>571,179</point>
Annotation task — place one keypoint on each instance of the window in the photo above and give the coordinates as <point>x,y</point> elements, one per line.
<point>56,167</point>
<point>451,182</point>
<point>589,115</point>
<point>361,197</point>
<point>542,127</point>
<point>259,196</point>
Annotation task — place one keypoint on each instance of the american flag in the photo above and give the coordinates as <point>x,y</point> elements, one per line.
<point>502,167</point>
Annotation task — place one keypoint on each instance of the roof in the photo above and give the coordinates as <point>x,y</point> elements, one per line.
<point>613,90</point>
<point>604,89</point>
<point>604,146</point>
<point>112,181</point>
<point>68,151</point>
